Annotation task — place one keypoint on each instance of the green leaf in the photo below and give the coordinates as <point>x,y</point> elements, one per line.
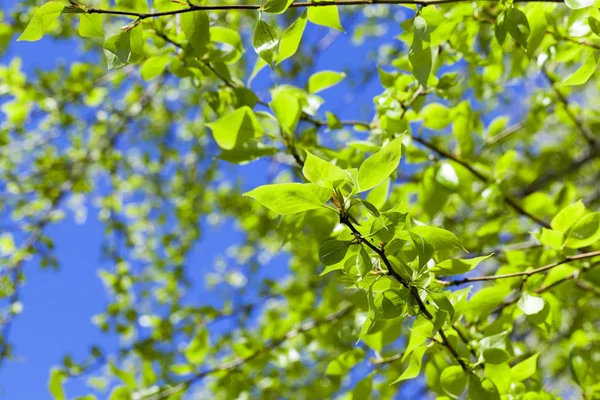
<point>568,216</point>
<point>195,25</point>
<point>90,25</point>
<point>380,165</point>
<point>551,238</point>
<point>456,266</point>
<point>277,6</point>
<point>500,28</point>
<point>321,172</point>
<point>424,249</point>
<point>290,198</point>
<point>126,377</point>
<point>120,393</point>
<point>286,108</point>
<point>265,42</point>
<point>517,25</point>
<point>421,63</point>
<point>537,25</point>
<point>525,369</point>
<point>440,238</point>
<point>585,232</point>
<point>343,363</point>
<point>117,50</point>
<point>453,381</point>
<point>325,16</point>
<point>133,5</point>
<point>42,21</point>
<point>235,128</point>
<point>55,384</point>
<point>7,244</point>
<point>414,365</point>
<point>290,40</point>
<point>577,4</point>
<point>530,304</point>
<point>443,303</point>
<point>363,262</point>
<point>436,116</point>
<point>333,251</point>
<point>196,350</point>
<point>482,389</point>
<point>585,72</point>
<point>323,80</point>
<point>594,25</point>
<point>154,66</point>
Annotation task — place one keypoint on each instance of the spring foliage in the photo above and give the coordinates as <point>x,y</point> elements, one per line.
<point>447,243</point>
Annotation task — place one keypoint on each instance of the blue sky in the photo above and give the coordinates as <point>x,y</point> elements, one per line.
<point>59,305</point>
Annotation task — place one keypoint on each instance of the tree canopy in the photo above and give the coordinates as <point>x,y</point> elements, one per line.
<point>442,242</point>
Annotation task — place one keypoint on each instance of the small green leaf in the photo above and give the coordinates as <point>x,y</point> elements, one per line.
<point>414,365</point>
<point>500,28</point>
<point>126,377</point>
<point>436,116</point>
<point>277,6</point>
<point>195,25</point>
<point>577,4</point>
<point>90,25</point>
<point>286,108</point>
<point>290,40</point>
<point>568,216</point>
<point>7,244</point>
<point>585,232</point>
<point>323,80</point>
<point>421,63</point>
<point>325,16</point>
<point>333,251</point>
<point>530,304</point>
<point>57,377</point>
<point>453,381</point>
<point>120,393</point>
<point>235,128</point>
<point>482,389</point>
<point>197,349</point>
<point>290,198</point>
<point>594,25</point>
<point>154,66</point>
<point>440,238</point>
<point>443,303</point>
<point>117,50</point>
<point>363,262</point>
<point>517,25</point>
<point>265,41</point>
<point>321,172</point>
<point>551,238</point>
<point>457,266</point>
<point>537,25</point>
<point>343,363</point>
<point>525,369</point>
<point>42,21</point>
<point>380,165</point>
<point>585,72</point>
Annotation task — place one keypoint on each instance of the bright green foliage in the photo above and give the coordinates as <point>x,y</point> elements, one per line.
<point>442,235</point>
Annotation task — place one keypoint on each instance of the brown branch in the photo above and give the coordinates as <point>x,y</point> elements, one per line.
<point>300,4</point>
<point>567,259</point>
<point>546,288</point>
<point>238,362</point>
<point>587,134</point>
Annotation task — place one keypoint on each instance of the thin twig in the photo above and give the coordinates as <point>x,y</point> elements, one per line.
<point>567,259</point>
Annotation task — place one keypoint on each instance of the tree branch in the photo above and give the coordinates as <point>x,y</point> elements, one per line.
<point>567,259</point>
<point>300,4</point>
<point>238,362</point>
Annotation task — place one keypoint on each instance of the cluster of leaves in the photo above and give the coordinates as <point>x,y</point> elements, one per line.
<point>474,142</point>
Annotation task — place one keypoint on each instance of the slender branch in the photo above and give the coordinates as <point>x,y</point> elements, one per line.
<point>507,199</point>
<point>238,362</point>
<point>567,259</point>
<point>452,351</point>
<point>300,4</point>
<point>574,275</point>
<point>587,134</point>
